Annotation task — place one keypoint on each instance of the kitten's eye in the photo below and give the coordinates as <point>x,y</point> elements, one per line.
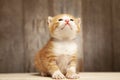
<point>60,19</point>
<point>71,20</point>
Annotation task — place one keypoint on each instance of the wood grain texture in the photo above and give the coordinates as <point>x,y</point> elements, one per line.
<point>11,36</point>
<point>67,6</point>
<point>116,34</point>
<point>97,35</point>
<point>35,28</point>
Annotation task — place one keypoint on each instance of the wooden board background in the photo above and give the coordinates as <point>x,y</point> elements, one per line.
<point>97,33</point>
<point>11,36</point>
<point>101,30</point>
<point>23,31</point>
<point>116,34</point>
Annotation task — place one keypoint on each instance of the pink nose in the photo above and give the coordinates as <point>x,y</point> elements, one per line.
<point>67,21</point>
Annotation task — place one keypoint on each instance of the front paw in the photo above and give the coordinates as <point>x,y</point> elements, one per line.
<point>72,76</point>
<point>58,75</point>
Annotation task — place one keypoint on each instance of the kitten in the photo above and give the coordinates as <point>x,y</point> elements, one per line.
<point>59,56</point>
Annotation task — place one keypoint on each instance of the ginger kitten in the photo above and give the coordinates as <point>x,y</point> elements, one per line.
<point>59,56</point>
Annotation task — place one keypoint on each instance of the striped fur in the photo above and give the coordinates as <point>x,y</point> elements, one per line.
<point>58,58</point>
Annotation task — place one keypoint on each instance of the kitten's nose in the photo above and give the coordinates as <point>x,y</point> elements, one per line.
<point>67,21</point>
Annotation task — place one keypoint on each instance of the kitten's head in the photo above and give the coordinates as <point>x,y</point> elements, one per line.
<point>64,26</point>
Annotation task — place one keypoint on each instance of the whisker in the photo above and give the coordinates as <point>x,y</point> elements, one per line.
<point>70,27</point>
<point>63,27</point>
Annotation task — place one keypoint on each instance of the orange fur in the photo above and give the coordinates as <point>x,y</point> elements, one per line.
<point>46,60</point>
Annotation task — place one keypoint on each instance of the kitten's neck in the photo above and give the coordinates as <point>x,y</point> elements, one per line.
<point>54,39</point>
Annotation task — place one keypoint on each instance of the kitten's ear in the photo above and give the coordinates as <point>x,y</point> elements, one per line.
<point>49,20</point>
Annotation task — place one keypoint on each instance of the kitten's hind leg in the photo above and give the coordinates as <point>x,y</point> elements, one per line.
<point>43,74</point>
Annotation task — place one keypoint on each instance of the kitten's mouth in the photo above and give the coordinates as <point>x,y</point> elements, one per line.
<point>65,26</point>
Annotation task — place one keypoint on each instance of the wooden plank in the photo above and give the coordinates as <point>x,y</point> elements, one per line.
<point>11,36</point>
<point>97,38</point>
<point>116,34</point>
<point>67,6</point>
<point>36,31</point>
<point>83,76</point>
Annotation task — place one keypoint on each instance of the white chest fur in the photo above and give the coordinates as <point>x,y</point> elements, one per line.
<point>64,47</point>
